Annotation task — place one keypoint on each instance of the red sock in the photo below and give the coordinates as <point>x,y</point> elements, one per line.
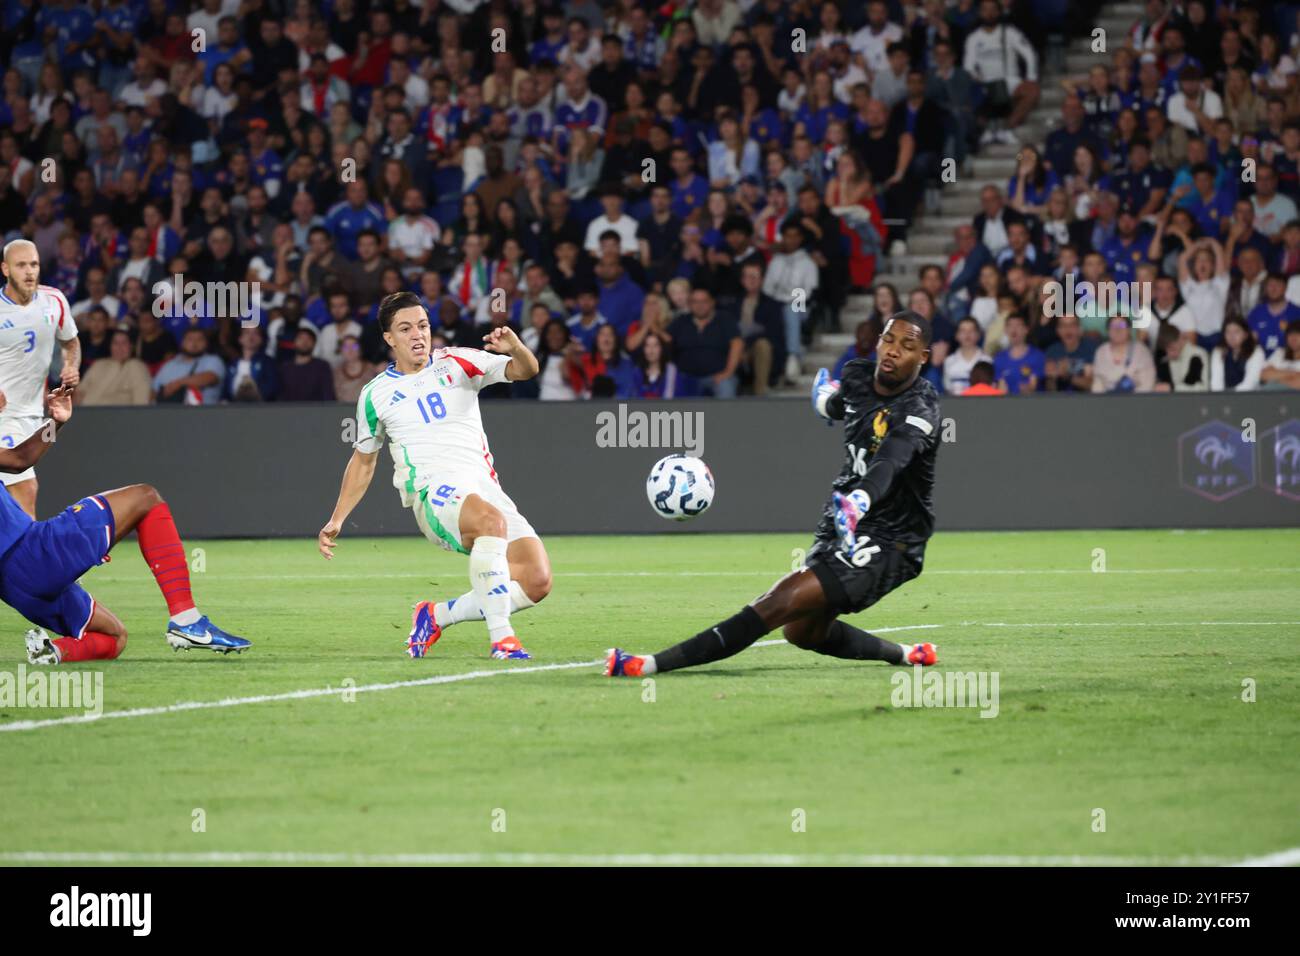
<point>91,646</point>
<point>165,555</point>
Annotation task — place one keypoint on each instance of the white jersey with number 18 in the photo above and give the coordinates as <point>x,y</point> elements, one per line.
<point>27,336</point>
<point>430,418</point>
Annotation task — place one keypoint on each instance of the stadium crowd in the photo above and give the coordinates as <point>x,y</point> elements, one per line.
<point>664,201</point>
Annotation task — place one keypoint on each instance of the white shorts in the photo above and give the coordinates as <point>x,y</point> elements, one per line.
<point>437,509</point>
<point>14,430</point>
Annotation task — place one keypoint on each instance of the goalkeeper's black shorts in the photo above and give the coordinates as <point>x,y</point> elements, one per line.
<point>852,587</point>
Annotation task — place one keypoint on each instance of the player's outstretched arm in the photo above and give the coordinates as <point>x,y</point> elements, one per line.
<point>29,452</point>
<point>523,363</point>
<point>356,479</point>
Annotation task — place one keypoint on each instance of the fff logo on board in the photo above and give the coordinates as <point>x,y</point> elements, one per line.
<point>1216,461</point>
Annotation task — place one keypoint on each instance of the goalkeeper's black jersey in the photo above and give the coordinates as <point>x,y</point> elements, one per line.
<point>890,444</point>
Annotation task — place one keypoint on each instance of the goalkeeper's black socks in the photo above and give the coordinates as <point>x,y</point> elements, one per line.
<point>848,642</point>
<point>730,637</point>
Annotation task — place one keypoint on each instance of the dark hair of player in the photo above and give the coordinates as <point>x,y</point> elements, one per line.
<point>912,318</point>
<point>392,304</point>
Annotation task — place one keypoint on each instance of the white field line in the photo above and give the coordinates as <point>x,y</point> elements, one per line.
<point>1289,857</point>
<point>17,725</point>
<point>1283,858</point>
<point>305,694</point>
<point>766,572</point>
<point>287,695</point>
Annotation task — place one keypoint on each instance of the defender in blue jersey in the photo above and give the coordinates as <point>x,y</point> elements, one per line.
<point>41,562</point>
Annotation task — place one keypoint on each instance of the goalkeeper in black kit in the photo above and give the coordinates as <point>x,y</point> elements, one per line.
<point>872,534</point>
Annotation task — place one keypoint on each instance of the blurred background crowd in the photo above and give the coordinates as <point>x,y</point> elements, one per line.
<point>688,199</point>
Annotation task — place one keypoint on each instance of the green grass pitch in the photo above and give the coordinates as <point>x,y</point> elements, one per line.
<point>1120,691</point>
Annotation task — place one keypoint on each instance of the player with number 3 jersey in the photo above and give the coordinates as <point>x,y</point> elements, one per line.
<point>32,318</point>
<point>424,406</point>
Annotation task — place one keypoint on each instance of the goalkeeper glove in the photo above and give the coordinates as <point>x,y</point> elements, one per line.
<point>823,389</point>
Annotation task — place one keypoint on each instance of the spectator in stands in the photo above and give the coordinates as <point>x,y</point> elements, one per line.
<point>362,278</point>
<point>607,372</point>
<point>473,218</point>
<point>94,336</point>
<point>982,377</point>
<point>1181,365</point>
<point>1273,210</point>
<point>889,85</point>
<point>413,236</point>
<point>538,291</point>
<point>472,277</point>
<point>560,377</point>
<point>957,367</point>
<point>733,155</point>
<point>1283,367</point>
<point>952,89</point>
<point>761,324</point>
<point>1204,282</point>
<point>582,325</point>
<point>1083,181</point>
<point>352,373</point>
<point>963,270</point>
<point>1246,289</point>
<point>865,336</point>
<point>1195,106</point>
<point>707,346</point>
<point>251,377</point>
<point>1020,367</point>
<point>620,299</point>
<point>655,375</point>
<point>791,280</point>
<point>342,325</point>
<point>1001,60</point>
<point>97,296</point>
<point>1019,251</point>
<point>1028,189</point>
<point>1237,362</point>
<point>192,377</point>
<point>1121,363</point>
<point>304,378</point>
<point>887,154</point>
<point>585,161</point>
<point>117,379</point>
<point>992,220</point>
<point>612,219</point>
<point>1069,360</point>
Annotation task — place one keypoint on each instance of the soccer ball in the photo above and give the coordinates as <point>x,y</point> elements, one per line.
<point>679,487</point>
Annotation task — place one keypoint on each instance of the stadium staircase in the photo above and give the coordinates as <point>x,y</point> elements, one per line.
<point>930,239</point>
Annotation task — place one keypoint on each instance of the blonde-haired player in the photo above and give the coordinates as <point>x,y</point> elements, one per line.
<point>32,318</point>
<point>425,405</point>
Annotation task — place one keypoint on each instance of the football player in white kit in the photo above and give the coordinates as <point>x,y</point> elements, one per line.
<point>32,318</point>
<point>425,405</point>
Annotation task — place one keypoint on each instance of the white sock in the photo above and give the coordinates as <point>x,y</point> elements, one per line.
<point>907,652</point>
<point>186,617</point>
<point>648,664</point>
<point>466,607</point>
<point>489,575</point>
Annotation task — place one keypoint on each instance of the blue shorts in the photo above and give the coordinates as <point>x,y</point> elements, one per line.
<point>38,575</point>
